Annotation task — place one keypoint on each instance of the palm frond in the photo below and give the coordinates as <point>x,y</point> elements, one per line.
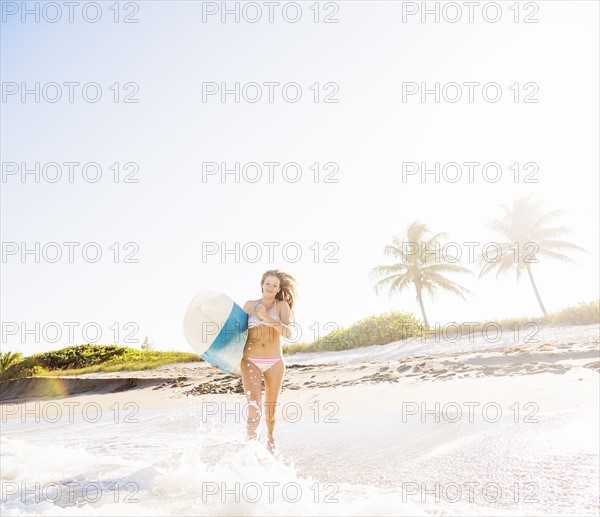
<point>525,224</point>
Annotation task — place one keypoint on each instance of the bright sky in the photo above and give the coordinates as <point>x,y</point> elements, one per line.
<point>172,215</point>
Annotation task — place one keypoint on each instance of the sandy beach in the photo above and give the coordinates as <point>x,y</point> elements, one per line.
<point>495,430</point>
<point>397,201</point>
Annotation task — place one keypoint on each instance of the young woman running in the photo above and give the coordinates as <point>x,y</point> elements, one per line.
<point>268,320</point>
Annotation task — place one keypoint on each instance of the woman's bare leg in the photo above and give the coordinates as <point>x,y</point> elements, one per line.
<point>273,382</point>
<point>252,381</point>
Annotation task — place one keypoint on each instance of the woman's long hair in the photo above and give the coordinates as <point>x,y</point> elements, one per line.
<point>287,286</point>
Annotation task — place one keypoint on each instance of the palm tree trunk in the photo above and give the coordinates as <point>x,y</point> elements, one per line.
<point>537,294</point>
<point>420,299</point>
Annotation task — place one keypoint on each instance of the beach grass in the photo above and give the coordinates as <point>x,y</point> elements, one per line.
<point>374,330</point>
<point>93,358</point>
<point>584,313</point>
<point>394,326</point>
<point>120,367</point>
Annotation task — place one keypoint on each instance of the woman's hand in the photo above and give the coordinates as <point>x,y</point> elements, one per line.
<point>261,312</point>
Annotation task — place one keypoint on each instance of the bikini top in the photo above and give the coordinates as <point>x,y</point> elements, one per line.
<point>253,321</point>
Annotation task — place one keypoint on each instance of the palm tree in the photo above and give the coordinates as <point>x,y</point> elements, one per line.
<point>526,228</point>
<point>422,264</point>
<point>8,359</point>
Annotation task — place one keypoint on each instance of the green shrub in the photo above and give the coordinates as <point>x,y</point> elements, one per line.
<point>374,330</point>
<point>92,357</point>
<point>80,356</point>
<point>394,326</point>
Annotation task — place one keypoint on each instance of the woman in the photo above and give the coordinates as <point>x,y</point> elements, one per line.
<point>268,320</point>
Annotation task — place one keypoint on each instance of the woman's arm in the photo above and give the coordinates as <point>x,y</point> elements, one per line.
<point>282,326</point>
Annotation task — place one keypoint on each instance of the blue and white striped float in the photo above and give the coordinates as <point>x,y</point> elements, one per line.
<point>216,328</point>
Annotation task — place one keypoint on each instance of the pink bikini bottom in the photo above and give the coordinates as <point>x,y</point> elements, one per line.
<point>263,363</point>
